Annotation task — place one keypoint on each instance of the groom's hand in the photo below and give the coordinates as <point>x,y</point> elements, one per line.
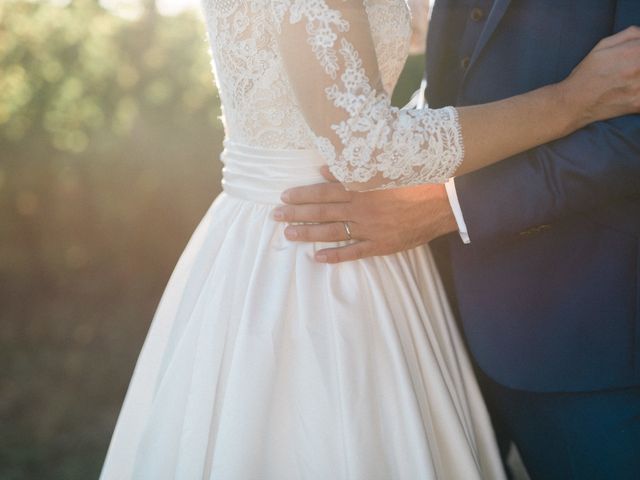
<point>382,221</point>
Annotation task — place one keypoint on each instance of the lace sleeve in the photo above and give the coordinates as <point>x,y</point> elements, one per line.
<point>328,52</point>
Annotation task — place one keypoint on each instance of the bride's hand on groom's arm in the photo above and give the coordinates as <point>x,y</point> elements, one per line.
<point>381,221</point>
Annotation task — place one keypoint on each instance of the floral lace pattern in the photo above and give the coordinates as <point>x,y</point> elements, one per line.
<point>390,19</point>
<point>321,23</point>
<point>409,146</point>
<point>257,104</point>
<point>253,51</point>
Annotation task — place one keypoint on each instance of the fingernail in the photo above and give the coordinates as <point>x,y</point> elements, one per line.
<point>284,196</point>
<point>278,215</point>
<point>321,258</point>
<point>292,234</point>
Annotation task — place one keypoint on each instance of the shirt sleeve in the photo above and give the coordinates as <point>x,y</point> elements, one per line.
<point>328,53</point>
<point>454,201</point>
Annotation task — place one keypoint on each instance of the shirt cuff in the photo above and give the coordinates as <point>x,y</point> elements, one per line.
<point>450,186</point>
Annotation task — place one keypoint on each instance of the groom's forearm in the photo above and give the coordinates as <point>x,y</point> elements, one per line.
<point>593,167</point>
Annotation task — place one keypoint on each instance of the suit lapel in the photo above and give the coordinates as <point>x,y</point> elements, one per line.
<point>497,12</point>
<point>439,31</point>
<point>436,35</point>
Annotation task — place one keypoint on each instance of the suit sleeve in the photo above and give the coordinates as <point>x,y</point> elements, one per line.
<point>589,169</point>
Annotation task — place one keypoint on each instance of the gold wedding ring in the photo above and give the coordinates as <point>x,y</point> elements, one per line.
<point>347,230</point>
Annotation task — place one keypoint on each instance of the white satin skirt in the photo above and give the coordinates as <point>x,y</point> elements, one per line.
<point>262,364</point>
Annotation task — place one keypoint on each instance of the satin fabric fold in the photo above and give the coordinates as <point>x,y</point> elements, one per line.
<point>262,364</point>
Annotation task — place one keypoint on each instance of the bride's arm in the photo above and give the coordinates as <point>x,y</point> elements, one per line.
<point>330,58</point>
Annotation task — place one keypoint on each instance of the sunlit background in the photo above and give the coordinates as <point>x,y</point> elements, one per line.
<point>109,144</point>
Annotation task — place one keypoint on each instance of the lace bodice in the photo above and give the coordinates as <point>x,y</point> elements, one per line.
<point>316,74</point>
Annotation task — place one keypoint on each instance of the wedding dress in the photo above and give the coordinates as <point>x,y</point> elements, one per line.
<point>262,364</point>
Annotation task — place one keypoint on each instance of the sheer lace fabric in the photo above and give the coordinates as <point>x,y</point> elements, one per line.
<point>257,102</point>
<point>318,74</point>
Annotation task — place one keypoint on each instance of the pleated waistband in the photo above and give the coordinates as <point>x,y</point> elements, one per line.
<point>260,175</point>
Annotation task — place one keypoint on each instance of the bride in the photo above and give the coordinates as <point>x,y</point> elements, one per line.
<point>261,363</point>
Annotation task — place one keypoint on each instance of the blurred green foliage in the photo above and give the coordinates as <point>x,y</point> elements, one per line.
<point>109,139</point>
<point>80,75</point>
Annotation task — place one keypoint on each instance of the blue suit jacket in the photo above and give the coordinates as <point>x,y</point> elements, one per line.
<point>548,292</point>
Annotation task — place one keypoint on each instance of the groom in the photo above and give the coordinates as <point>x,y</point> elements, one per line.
<point>541,252</point>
